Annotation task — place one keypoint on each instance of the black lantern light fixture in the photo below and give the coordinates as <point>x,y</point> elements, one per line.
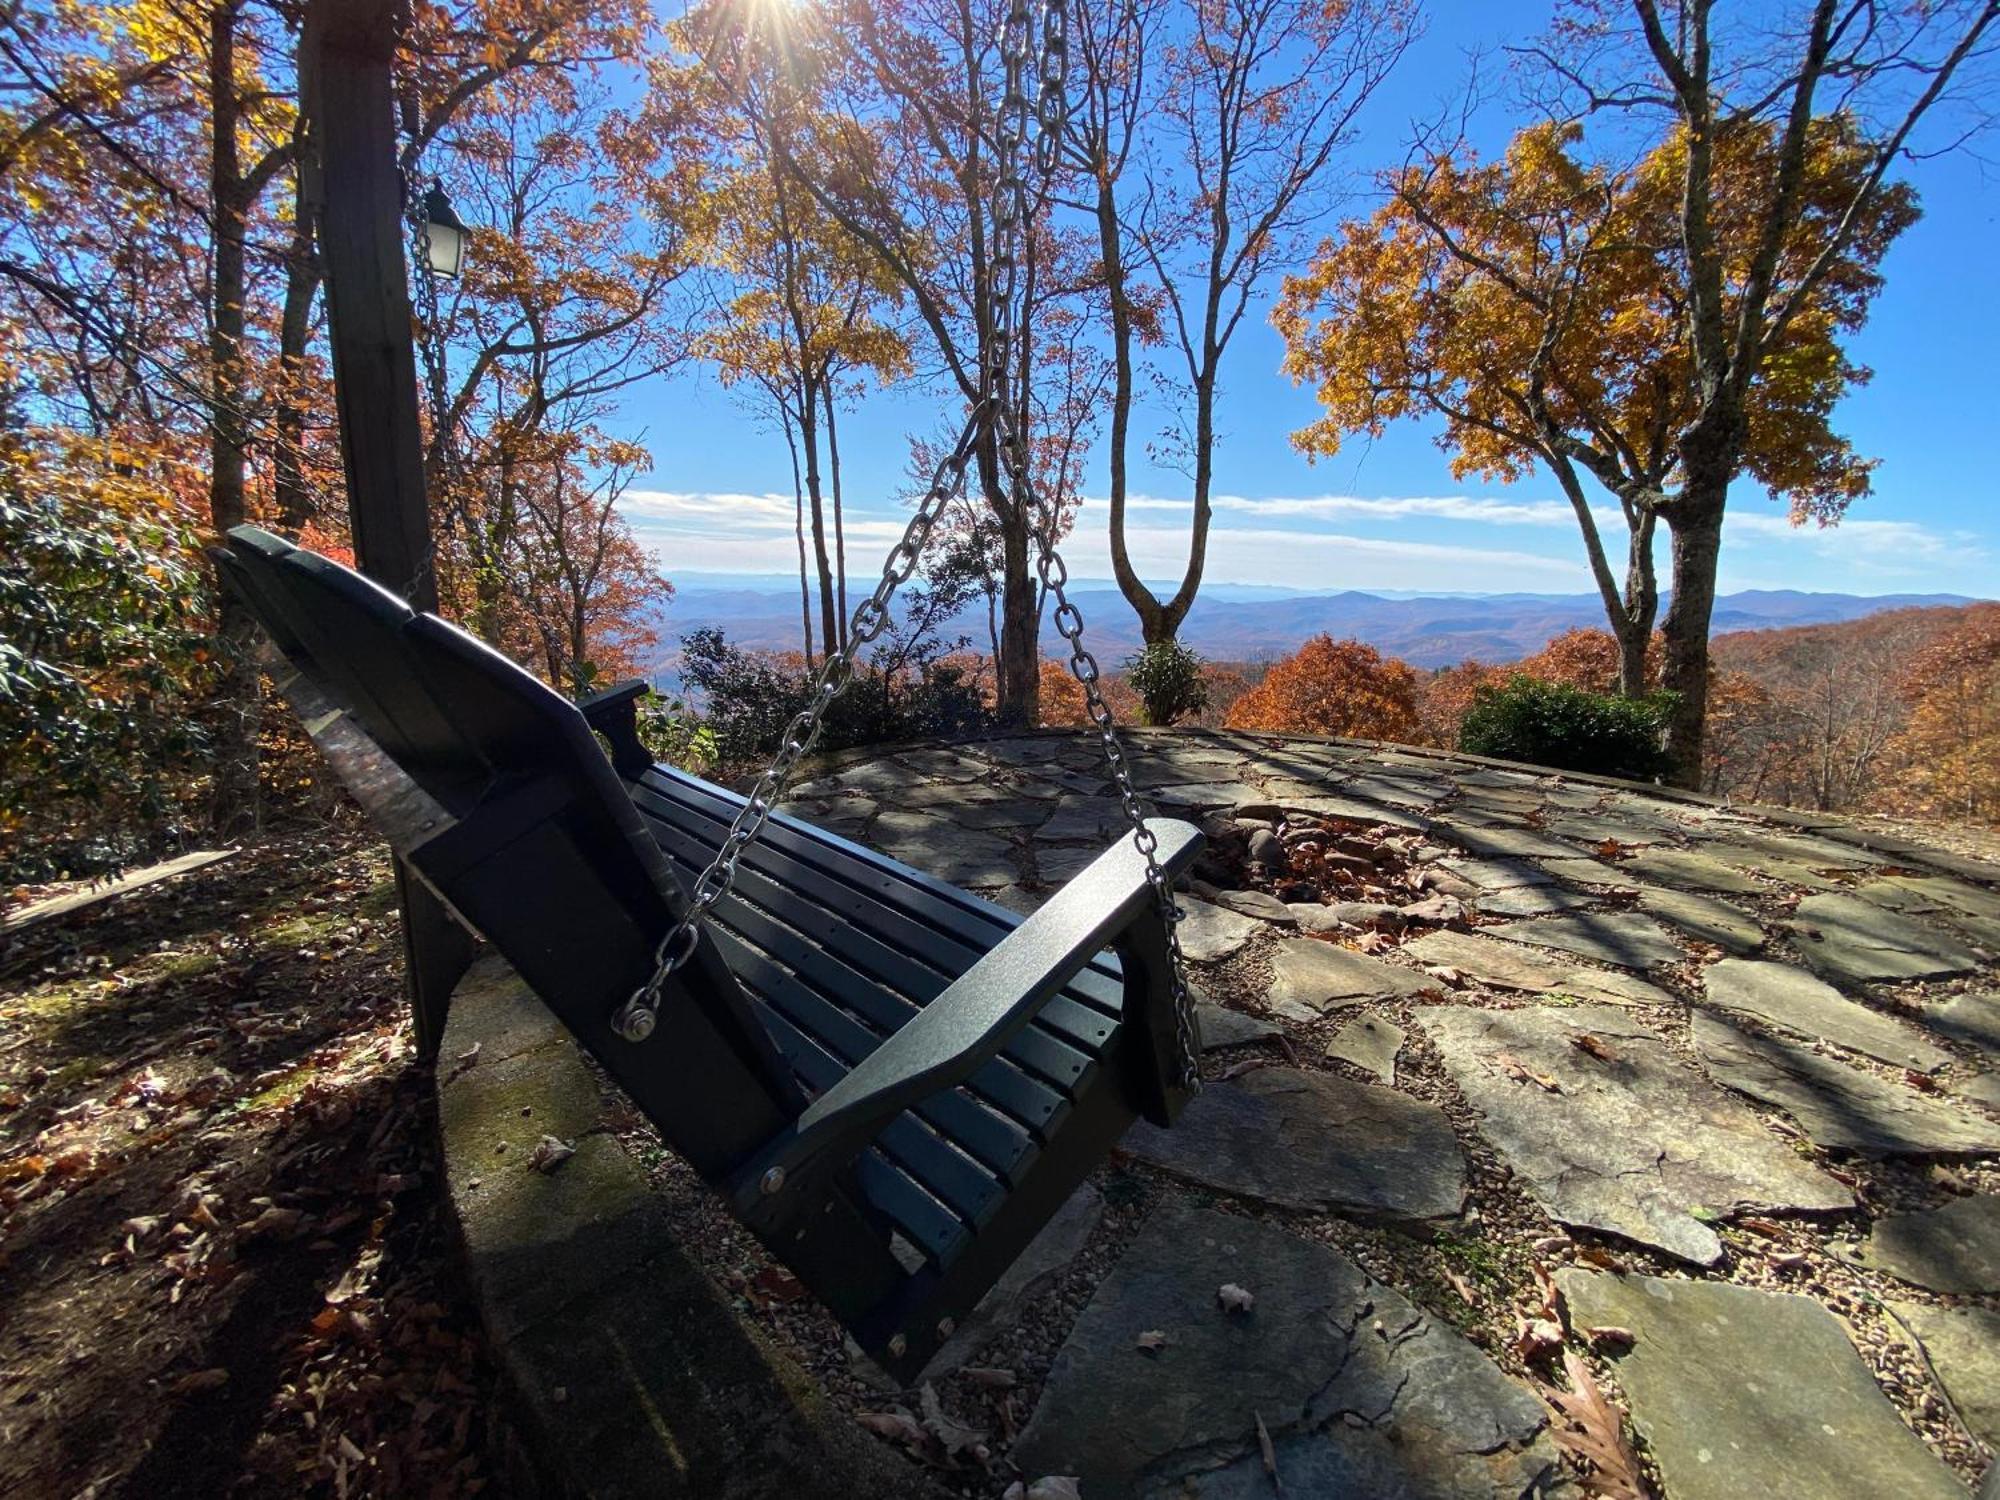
<point>444,233</point>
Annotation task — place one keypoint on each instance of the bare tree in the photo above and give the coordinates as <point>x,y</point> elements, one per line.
<point>1235,112</point>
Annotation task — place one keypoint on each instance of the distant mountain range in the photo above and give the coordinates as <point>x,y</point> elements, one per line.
<point>1247,622</point>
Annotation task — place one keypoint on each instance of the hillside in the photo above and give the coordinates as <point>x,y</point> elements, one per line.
<point>1253,625</point>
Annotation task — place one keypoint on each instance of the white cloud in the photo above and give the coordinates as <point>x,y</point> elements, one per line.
<point>1466,508</point>
<point>751,533</point>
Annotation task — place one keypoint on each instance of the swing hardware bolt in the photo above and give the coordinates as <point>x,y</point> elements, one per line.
<point>898,1347</point>
<point>946,1328</point>
<point>772,1181</point>
<point>634,1022</point>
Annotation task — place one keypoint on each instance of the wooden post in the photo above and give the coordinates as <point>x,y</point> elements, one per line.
<point>345,58</point>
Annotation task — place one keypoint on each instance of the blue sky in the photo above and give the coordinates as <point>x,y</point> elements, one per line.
<point>1388,514</point>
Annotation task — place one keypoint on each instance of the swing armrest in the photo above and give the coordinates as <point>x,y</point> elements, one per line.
<point>973,1019</point>
<point>614,713</point>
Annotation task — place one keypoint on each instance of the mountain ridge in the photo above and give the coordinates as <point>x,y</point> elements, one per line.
<point>1426,630</point>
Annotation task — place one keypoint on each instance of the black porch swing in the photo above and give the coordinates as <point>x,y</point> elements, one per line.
<point>893,1083</point>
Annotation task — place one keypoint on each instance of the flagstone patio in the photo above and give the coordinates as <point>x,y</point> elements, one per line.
<point>1503,1065</point>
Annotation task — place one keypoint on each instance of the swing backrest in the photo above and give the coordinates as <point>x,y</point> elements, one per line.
<point>533,840</point>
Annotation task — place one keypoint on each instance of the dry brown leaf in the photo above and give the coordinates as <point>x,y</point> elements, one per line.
<point>1593,1431</point>
<point>1444,972</point>
<point>897,1425</point>
<point>550,1153</point>
<point>1244,1065</point>
<point>1585,1041</point>
<point>1153,1340</point>
<point>1463,1287</point>
<point>1234,1298</point>
<point>990,1377</point>
<point>1536,1338</point>
<point>275,1223</point>
<point>1270,1453</point>
<point>198,1381</point>
<point>953,1435</point>
<point>1603,1259</point>
<point>776,1285</point>
<point>1765,1227</point>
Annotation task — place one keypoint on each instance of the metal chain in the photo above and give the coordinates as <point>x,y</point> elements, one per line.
<point>635,1019</point>
<point>1008,205</point>
<point>1010,215</point>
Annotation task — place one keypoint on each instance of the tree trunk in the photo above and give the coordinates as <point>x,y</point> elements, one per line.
<point>290,493</point>
<point>1695,524</point>
<point>1111,248</point>
<point>808,415</point>
<point>1633,625</point>
<point>839,523</point>
<point>236,789</point>
<point>1019,673</point>
<point>799,531</point>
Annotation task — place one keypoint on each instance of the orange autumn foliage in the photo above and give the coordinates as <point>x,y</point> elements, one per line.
<point>1951,743</point>
<point>1338,688</point>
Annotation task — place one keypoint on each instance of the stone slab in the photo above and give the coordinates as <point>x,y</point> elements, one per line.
<point>1593,873</point>
<point>1221,1027</point>
<point>1973,1019</point>
<point>1499,840</point>
<point>1705,918</point>
<point>1320,1141</point>
<point>1361,1393</point>
<point>1260,904</point>
<point>1370,1044</point>
<point>1981,1088</point>
<point>1839,1106</point>
<point>1688,869</point>
<point>1783,996</point>
<point>1739,1392</point>
<point>1955,1248</point>
<point>1511,966</point>
<point>1494,964</point>
<point>1209,932</point>
<point>938,846</point>
<point>1631,1142</point>
<point>1621,938</point>
<point>1856,940</point>
<point>1497,874</point>
<point>1964,1348</point>
<point>1087,820</point>
<point>1531,901</point>
<point>1322,976</point>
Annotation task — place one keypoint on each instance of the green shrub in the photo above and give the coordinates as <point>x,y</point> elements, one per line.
<point>1167,677</point>
<point>1547,724</point>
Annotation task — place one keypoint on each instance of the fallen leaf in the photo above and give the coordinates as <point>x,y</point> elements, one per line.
<point>1463,1287</point>
<point>1153,1340</point>
<point>1239,1068</point>
<point>1603,1259</point>
<point>955,1436</point>
<point>1444,972</point>
<point>776,1285</point>
<point>1233,1298</point>
<point>1520,1072</point>
<point>899,1425</point>
<point>1586,1042</point>
<point>1765,1227</point>
<point>1265,1447</point>
<point>199,1380</point>
<point>470,1055</point>
<point>1594,1432</point>
<point>990,1377</point>
<point>274,1223</point>
<point>550,1153</point>
<point>1536,1338</point>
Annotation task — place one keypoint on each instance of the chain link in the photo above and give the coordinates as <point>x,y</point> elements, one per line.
<point>634,1020</point>
<point>1008,209</point>
<point>1050,114</point>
